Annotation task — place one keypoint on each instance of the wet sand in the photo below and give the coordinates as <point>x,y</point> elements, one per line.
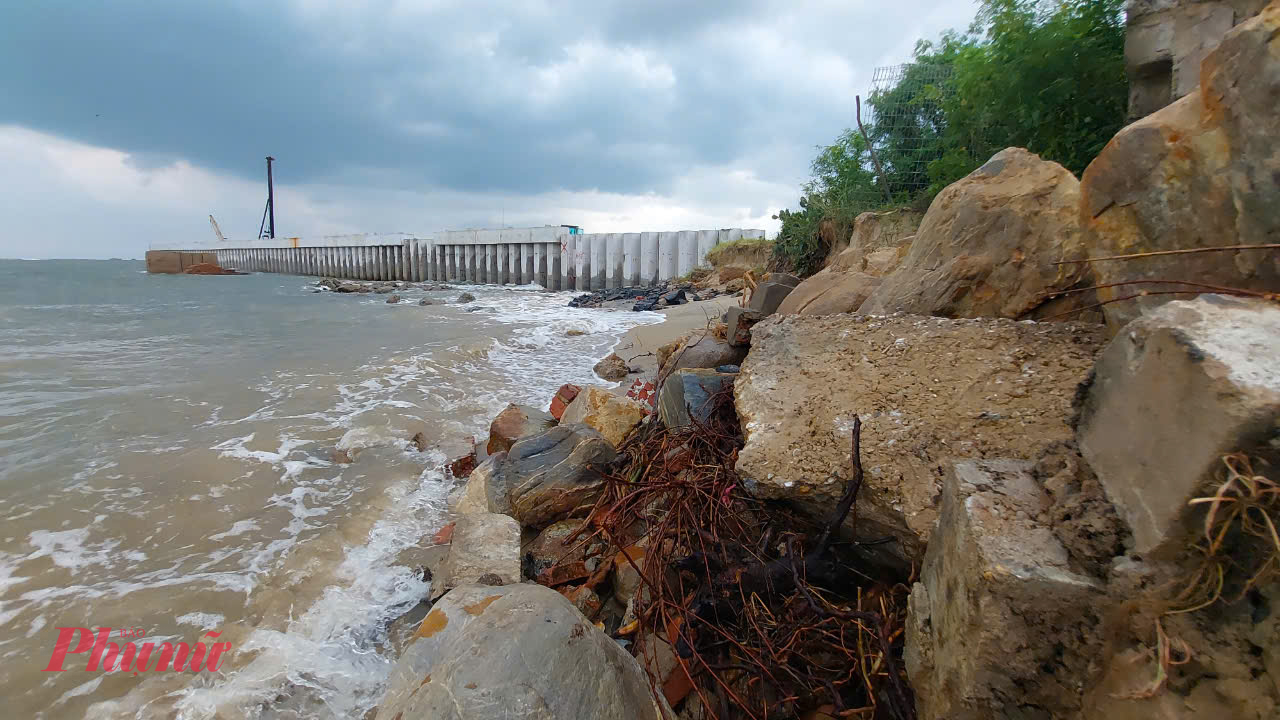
<point>639,346</point>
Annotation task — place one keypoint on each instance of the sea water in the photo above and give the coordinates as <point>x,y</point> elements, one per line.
<point>166,464</point>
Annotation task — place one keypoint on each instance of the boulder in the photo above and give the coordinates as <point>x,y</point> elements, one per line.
<point>612,416</point>
<point>738,322</point>
<point>424,301</point>
<point>1175,391</point>
<point>767,296</point>
<point>521,652</point>
<point>549,561</point>
<point>465,297</point>
<point>828,292</point>
<point>513,423</point>
<point>483,544</point>
<point>986,247</point>
<point>612,368</point>
<point>929,390</point>
<point>553,475</point>
<point>1199,173</point>
<point>687,393</point>
<point>703,350</point>
<point>393,299</point>
<point>477,495</point>
<point>998,623</point>
<point>563,397</point>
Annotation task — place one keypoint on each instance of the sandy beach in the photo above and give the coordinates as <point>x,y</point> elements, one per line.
<point>639,345</point>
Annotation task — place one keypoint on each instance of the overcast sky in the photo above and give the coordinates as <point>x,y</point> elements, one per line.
<point>125,124</point>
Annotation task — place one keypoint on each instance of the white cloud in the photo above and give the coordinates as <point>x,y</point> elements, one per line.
<point>67,199</point>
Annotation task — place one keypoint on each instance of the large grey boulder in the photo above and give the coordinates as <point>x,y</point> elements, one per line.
<point>1199,173</point>
<point>478,495</point>
<point>986,247</point>
<point>1172,393</point>
<point>485,545</point>
<point>998,622</point>
<point>552,475</point>
<point>521,652</point>
<point>929,391</point>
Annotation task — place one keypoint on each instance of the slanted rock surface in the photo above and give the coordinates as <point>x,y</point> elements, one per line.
<point>1199,173</point>
<point>552,475</point>
<point>986,247</point>
<point>521,652</point>
<point>612,416</point>
<point>998,623</point>
<point>477,495</point>
<point>483,544</point>
<point>929,391</point>
<point>1174,392</point>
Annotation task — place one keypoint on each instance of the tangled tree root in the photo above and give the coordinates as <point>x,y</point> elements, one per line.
<point>766,615</point>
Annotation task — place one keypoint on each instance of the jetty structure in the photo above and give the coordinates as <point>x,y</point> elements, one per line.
<point>557,257</point>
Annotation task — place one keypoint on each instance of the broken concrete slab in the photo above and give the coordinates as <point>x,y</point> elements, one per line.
<point>1172,393</point>
<point>929,391</point>
<point>768,296</point>
<point>687,394</point>
<point>739,320</point>
<point>995,623</point>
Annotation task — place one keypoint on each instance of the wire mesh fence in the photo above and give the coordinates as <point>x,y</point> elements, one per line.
<point>904,119</point>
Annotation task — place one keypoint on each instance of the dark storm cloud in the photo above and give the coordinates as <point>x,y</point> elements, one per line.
<point>532,97</point>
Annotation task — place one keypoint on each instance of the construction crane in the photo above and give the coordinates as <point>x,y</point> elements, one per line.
<point>217,230</point>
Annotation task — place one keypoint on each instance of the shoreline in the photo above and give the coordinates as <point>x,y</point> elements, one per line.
<point>639,345</point>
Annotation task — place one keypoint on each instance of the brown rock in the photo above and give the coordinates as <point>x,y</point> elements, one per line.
<point>612,416</point>
<point>928,390</point>
<point>583,598</point>
<point>987,245</point>
<point>828,292</point>
<point>551,562</point>
<point>564,396</point>
<point>612,368</point>
<point>1199,173</point>
<point>341,457</point>
<point>513,423</point>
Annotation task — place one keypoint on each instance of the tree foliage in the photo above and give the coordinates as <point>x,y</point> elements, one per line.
<point>1047,75</point>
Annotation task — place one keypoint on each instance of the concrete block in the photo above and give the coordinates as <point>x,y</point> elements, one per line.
<point>688,393</point>
<point>739,321</point>
<point>996,609</point>
<point>1171,394</point>
<point>768,296</point>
